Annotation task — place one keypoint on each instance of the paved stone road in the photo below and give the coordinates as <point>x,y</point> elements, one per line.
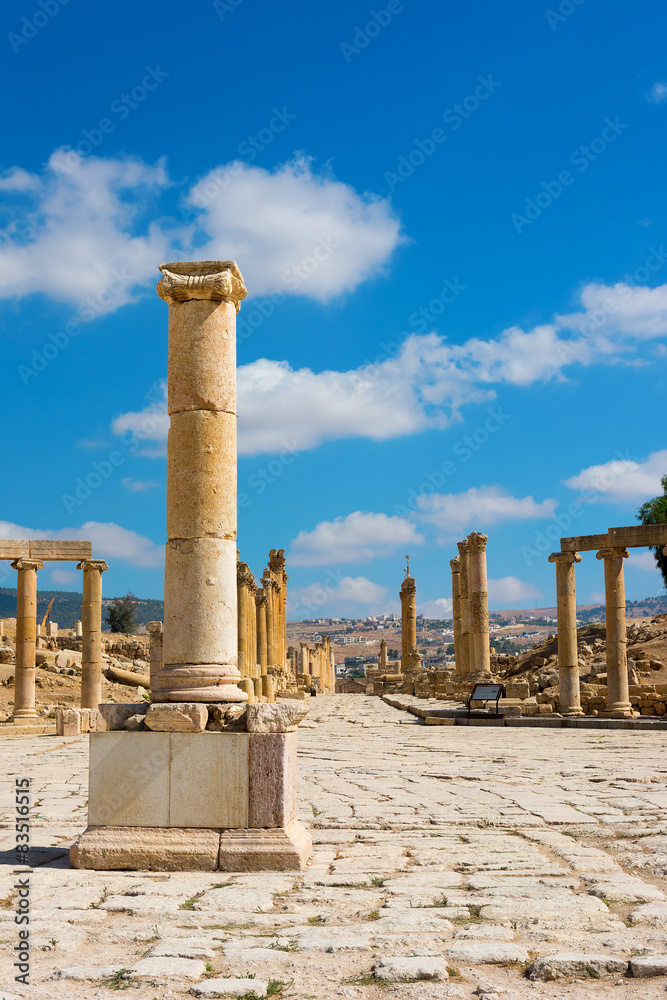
<point>475,849</point>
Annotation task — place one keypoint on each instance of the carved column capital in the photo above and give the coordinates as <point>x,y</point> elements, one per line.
<point>217,280</point>
<point>612,553</point>
<point>455,564</point>
<point>99,564</point>
<point>462,547</point>
<point>477,541</point>
<point>28,564</point>
<point>564,557</point>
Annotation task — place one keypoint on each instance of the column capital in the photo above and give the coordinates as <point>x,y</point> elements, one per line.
<point>477,541</point>
<point>408,586</point>
<point>463,547</point>
<point>260,597</point>
<point>244,577</point>
<point>612,553</point>
<point>564,557</point>
<point>216,280</point>
<point>28,564</point>
<point>455,564</point>
<point>154,628</point>
<point>98,564</point>
<point>277,560</point>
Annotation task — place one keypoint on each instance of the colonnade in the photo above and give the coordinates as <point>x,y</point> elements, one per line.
<point>470,609</point>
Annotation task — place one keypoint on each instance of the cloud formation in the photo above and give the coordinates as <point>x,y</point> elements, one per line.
<point>109,540</point>
<point>358,537</point>
<point>453,513</point>
<point>622,480</point>
<point>332,595</point>
<point>510,589</point>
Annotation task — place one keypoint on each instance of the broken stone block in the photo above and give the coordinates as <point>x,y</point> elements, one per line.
<point>115,716</point>
<point>68,722</point>
<point>177,717</point>
<point>576,965</point>
<point>649,965</point>
<point>400,969</point>
<point>276,717</point>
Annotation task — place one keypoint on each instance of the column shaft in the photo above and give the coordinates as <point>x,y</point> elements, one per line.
<point>456,611</point>
<point>155,657</point>
<point>91,644</point>
<point>464,606</point>
<point>26,622</point>
<point>568,660</point>
<point>618,695</point>
<point>261,601</point>
<point>479,606</point>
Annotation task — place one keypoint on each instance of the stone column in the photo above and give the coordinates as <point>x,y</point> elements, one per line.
<point>568,660</point>
<point>154,630</point>
<point>91,646</point>
<point>260,605</point>
<point>26,611</point>
<point>618,696</point>
<point>408,622</point>
<point>382,658</point>
<point>303,657</point>
<point>278,574</point>
<point>479,606</point>
<point>244,580</point>
<point>464,605</point>
<point>456,611</point>
<point>272,623</point>
<point>78,630</point>
<point>200,610</point>
<point>252,628</point>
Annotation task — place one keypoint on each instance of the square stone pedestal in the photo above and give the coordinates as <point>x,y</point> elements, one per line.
<point>192,802</point>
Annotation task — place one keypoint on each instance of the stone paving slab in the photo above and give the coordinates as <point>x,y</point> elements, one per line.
<point>476,850</point>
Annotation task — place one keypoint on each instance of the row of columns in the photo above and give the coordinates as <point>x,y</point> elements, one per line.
<point>618,695</point>
<point>26,635</point>
<point>470,600</point>
<point>318,663</point>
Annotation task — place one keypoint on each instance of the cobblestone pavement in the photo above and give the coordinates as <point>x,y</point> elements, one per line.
<point>473,849</point>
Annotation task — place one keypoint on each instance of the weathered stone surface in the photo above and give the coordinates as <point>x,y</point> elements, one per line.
<point>400,969</point>
<point>487,952</point>
<point>181,948</point>
<point>80,972</point>
<point>179,717</point>
<point>116,715</point>
<point>653,914</point>
<point>181,968</point>
<point>146,849</point>
<point>230,988</point>
<point>283,849</point>
<point>278,717</point>
<point>649,965</point>
<point>576,965</point>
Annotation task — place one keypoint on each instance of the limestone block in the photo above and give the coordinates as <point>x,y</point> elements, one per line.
<point>68,722</point>
<point>230,988</point>
<point>576,965</point>
<point>209,780</point>
<point>200,603</point>
<point>129,779</point>
<point>272,779</point>
<point>202,356</point>
<point>283,849</point>
<point>177,717</point>
<point>649,965</point>
<point>247,684</point>
<point>400,969</point>
<point>487,952</point>
<point>115,715</point>
<point>182,968</point>
<point>111,848</point>
<point>280,717</point>
<point>201,475</point>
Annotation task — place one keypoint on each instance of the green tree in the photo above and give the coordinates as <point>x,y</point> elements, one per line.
<point>450,649</point>
<point>121,614</point>
<point>655,512</point>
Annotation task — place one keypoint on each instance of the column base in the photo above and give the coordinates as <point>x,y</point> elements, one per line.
<point>146,848</point>
<point>619,710</point>
<point>569,713</point>
<point>23,715</point>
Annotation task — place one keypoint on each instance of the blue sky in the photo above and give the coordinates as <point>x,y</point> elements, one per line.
<point>450,221</point>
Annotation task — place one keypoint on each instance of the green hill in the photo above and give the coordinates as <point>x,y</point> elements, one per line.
<point>66,608</point>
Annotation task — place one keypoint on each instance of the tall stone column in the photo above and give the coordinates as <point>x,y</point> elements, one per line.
<point>244,580</point>
<point>154,630</point>
<point>456,611</point>
<point>408,621</point>
<point>618,695</point>
<point>252,628</point>
<point>200,609</point>
<point>278,574</point>
<point>272,620</point>
<point>262,652</point>
<point>382,658</point>
<point>26,622</point>
<point>91,645</point>
<point>479,606</point>
<point>464,606</point>
<point>568,660</point>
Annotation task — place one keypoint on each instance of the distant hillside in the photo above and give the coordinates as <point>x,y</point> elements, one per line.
<point>66,608</point>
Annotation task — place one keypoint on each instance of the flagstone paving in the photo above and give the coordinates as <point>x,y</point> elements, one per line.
<point>477,850</point>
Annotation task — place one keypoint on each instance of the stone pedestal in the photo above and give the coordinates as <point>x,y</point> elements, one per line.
<point>618,695</point>
<point>26,622</point>
<point>568,659</point>
<point>167,801</point>
<point>91,649</point>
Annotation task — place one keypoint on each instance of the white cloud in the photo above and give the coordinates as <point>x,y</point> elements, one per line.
<point>441,607</point>
<point>511,588</point>
<point>110,541</point>
<point>137,485</point>
<point>320,599</point>
<point>479,506</point>
<point>658,92</point>
<point>65,576</point>
<point>642,560</point>
<point>292,229</point>
<point>358,537</point>
<point>623,479</point>
<point>597,597</point>
<point>81,237</point>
